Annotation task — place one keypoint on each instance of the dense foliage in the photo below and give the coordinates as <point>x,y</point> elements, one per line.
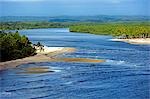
<point>119,29</point>
<point>14,46</point>
<point>122,30</point>
<point>36,25</point>
<point>30,25</point>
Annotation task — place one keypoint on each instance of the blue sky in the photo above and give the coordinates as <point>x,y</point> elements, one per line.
<point>73,7</point>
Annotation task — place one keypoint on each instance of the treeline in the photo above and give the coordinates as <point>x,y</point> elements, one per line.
<point>37,25</point>
<point>120,30</point>
<point>14,46</point>
<point>31,25</point>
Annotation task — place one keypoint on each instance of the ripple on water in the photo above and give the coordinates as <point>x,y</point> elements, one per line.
<point>125,73</point>
<point>120,62</point>
<point>38,70</point>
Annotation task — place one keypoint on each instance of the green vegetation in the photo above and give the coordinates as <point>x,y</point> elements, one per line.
<point>37,25</point>
<point>121,30</point>
<point>31,25</point>
<point>39,46</point>
<point>14,46</point>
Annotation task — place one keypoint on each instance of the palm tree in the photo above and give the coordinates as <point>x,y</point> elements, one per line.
<point>40,46</point>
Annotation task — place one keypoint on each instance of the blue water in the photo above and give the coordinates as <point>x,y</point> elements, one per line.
<point>124,75</point>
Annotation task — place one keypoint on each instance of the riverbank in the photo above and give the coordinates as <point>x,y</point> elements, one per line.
<point>47,55</point>
<point>145,41</point>
<point>42,56</point>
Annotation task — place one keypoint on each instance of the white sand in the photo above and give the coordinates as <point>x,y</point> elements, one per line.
<point>47,55</point>
<point>49,50</point>
<point>40,57</point>
<point>134,41</point>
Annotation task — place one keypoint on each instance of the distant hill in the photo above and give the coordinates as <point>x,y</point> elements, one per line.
<point>100,18</point>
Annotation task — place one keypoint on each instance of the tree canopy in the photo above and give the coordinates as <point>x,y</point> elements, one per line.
<point>121,30</point>
<point>14,46</point>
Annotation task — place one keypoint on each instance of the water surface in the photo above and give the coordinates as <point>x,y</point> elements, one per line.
<point>124,75</point>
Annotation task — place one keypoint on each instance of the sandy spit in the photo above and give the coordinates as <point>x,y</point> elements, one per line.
<point>145,41</point>
<point>43,56</point>
<point>49,54</point>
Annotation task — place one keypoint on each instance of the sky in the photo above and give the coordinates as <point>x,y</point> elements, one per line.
<point>74,7</point>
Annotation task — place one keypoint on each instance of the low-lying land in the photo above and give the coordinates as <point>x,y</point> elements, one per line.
<point>134,41</point>
<point>128,32</point>
<point>31,25</point>
<point>36,25</point>
<point>120,30</point>
<point>49,54</point>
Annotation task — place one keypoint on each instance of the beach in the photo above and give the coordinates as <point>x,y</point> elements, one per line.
<point>42,56</point>
<point>49,54</point>
<point>145,41</point>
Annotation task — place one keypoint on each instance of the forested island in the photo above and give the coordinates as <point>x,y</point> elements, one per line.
<point>120,30</point>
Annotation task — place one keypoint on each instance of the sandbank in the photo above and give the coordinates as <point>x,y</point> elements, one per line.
<point>144,41</point>
<point>49,54</point>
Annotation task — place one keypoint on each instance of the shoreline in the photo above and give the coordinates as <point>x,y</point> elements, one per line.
<point>43,56</point>
<point>144,41</point>
<point>49,54</point>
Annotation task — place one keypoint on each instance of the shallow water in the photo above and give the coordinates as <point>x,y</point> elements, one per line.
<point>124,75</point>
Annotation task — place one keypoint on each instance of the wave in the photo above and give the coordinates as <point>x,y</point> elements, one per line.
<point>55,69</point>
<point>119,62</point>
<point>115,62</point>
